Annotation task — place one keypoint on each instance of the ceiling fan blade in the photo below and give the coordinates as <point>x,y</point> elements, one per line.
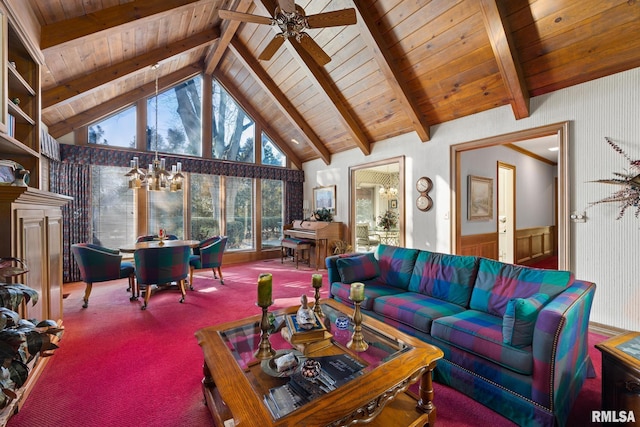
<point>271,48</point>
<point>288,6</point>
<point>332,19</point>
<point>314,49</point>
<point>245,17</point>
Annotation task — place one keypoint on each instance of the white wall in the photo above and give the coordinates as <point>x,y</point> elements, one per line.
<point>603,250</point>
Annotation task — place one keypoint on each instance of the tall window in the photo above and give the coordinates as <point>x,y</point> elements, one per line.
<point>166,210</point>
<point>118,130</point>
<point>179,119</point>
<point>272,212</point>
<point>233,130</point>
<point>239,198</point>
<point>113,220</point>
<point>271,155</point>
<point>205,206</point>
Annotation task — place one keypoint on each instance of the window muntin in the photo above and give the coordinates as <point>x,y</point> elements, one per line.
<point>113,220</point>
<point>233,131</point>
<point>239,213</point>
<point>206,209</point>
<point>272,212</point>
<point>271,154</point>
<point>117,130</point>
<point>179,119</point>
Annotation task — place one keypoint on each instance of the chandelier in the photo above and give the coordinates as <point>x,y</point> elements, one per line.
<point>388,192</point>
<point>156,178</point>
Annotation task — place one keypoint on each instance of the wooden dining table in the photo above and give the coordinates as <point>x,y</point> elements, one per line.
<point>131,248</point>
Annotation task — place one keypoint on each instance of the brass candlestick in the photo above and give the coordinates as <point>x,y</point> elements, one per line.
<point>357,342</point>
<point>265,351</point>
<point>316,306</point>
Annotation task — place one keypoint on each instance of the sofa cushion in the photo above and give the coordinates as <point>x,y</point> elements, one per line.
<point>414,309</point>
<point>480,333</point>
<point>396,265</point>
<point>358,268</point>
<point>520,319</point>
<point>497,283</point>
<point>443,276</point>
<point>373,289</point>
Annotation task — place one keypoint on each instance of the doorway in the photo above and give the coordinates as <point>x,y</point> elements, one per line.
<point>506,212</point>
<point>560,132</point>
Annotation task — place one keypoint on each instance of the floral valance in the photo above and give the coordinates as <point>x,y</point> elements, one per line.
<point>91,155</point>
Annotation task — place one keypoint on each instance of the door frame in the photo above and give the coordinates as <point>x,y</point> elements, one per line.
<point>561,130</point>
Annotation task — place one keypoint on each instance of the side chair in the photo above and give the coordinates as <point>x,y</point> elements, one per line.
<point>208,254</point>
<point>100,264</point>
<point>151,237</point>
<point>160,266</point>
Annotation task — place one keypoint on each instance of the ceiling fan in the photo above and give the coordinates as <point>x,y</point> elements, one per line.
<point>292,21</point>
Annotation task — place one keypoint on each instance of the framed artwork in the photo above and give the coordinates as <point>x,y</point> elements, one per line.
<point>480,198</point>
<point>393,204</point>
<point>324,197</point>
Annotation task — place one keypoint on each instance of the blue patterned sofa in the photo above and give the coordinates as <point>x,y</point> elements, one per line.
<point>514,338</point>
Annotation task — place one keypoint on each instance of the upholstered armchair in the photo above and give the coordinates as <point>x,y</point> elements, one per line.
<point>208,254</point>
<point>161,266</point>
<point>366,238</point>
<point>100,264</point>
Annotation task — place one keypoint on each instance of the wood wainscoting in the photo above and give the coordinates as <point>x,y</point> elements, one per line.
<point>535,243</point>
<point>532,244</point>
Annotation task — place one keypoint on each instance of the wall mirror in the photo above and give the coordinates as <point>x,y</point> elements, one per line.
<point>376,203</point>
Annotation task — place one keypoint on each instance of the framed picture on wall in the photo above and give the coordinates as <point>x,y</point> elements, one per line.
<point>325,197</point>
<point>393,204</point>
<point>480,198</point>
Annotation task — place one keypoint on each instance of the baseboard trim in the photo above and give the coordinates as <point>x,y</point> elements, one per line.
<point>607,330</point>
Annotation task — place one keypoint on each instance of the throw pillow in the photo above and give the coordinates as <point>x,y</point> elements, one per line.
<point>519,319</point>
<point>358,268</point>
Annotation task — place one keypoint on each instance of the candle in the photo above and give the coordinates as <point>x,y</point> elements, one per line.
<point>161,233</point>
<point>356,292</point>
<point>316,281</point>
<point>264,290</point>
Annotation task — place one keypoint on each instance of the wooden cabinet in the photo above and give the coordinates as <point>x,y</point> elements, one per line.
<point>19,97</point>
<point>35,230</point>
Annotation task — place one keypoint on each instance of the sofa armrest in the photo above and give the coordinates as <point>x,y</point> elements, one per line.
<point>560,347</point>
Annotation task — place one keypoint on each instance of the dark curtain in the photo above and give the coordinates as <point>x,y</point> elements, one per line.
<point>72,180</point>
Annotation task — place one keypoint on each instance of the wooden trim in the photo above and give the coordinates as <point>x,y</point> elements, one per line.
<point>534,244</point>
<point>484,245</point>
<point>530,154</point>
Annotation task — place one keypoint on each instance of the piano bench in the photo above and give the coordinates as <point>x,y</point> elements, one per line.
<point>298,246</point>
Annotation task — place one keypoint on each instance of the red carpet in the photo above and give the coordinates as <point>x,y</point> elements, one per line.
<point>120,366</point>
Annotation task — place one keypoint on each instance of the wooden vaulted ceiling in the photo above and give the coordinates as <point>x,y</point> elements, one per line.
<point>404,67</point>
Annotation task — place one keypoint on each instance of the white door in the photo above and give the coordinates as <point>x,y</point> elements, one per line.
<point>506,212</point>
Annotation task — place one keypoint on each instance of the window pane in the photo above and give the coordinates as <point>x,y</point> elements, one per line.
<point>166,211</point>
<point>239,212</point>
<point>205,206</point>
<point>179,120</point>
<point>118,130</point>
<point>271,155</point>
<point>233,130</point>
<point>272,215</point>
<point>112,207</point>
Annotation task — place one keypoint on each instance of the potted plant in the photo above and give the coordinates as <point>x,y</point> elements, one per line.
<point>388,221</point>
<point>323,214</point>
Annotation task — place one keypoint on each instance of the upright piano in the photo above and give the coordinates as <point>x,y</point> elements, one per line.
<point>322,232</point>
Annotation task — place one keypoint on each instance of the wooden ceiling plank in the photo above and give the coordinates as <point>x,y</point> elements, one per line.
<point>318,76</point>
<point>389,69</point>
<point>71,29</point>
<point>507,57</point>
<point>84,118</point>
<point>229,86</point>
<point>215,53</point>
<point>280,99</point>
<point>84,84</point>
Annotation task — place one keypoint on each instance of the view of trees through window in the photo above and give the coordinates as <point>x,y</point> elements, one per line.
<point>205,206</point>
<point>272,215</point>
<point>233,130</point>
<point>271,154</point>
<point>113,220</point>
<point>117,130</point>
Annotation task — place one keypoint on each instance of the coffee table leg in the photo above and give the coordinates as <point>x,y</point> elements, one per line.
<point>425,404</point>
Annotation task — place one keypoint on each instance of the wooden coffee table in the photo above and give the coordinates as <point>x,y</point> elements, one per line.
<point>235,383</point>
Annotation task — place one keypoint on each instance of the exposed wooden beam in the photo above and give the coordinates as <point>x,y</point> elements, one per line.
<point>286,107</point>
<point>70,29</point>
<point>389,67</point>
<point>507,57</point>
<point>84,84</point>
<point>324,87</point>
<point>215,52</point>
<point>246,105</point>
<point>84,118</point>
